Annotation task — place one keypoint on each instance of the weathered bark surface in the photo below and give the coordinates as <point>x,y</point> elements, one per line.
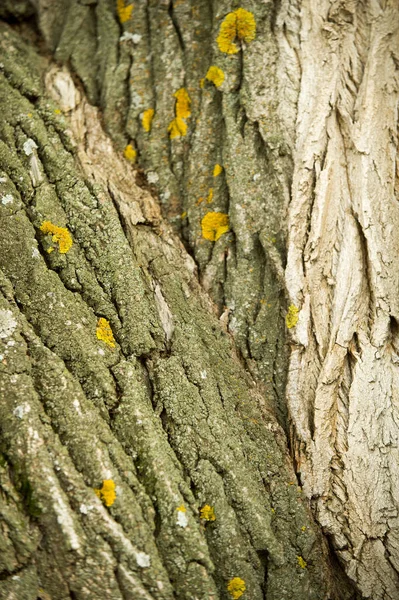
<point>168,413</point>
<point>343,274</point>
<point>305,125</point>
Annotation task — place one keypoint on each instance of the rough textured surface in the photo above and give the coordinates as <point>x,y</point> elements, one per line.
<point>168,414</point>
<point>342,274</point>
<point>139,64</point>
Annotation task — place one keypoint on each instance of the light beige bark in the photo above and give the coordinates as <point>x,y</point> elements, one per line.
<point>343,274</point>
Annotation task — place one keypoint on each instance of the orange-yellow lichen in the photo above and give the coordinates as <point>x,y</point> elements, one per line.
<point>291,318</point>
<point>215,75</point>
<point>124,10</point>
<point>238,24</point>
<point>130,153</point>
<point>60,235</point>
<point>104,332</point>
<point>214,225</point>
<point>183,103</point>
<point>236,587</point>
<point>207,513</point>
<point>146,119</point>
<point>178,127</point>
<point>217,170</point>
<point>210,196</point>
<point>301,562</point>
<point>107,492</point>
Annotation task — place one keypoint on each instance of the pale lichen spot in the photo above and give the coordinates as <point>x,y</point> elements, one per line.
<point>301,562</point>
<point>143,560</point>
<point>29,146</point>
<point>291,318</point>
<point>207,513</point>
<point>60,236</point>
<point>107,492</point>
<point>146,119</point>
<point>182,517</point>
<point>7,199</point>
<point>130,153</point>
<point>217,170</point>
<point>239,24</point>
<point>215,75</point>
<point>104,332</point>
<point>236,587</point>
<point>124,10</point>
<point>214,225</point>
<point>7,323</point>
<point>152,177</point>
<point>22,410</point>
<point>35,253</point>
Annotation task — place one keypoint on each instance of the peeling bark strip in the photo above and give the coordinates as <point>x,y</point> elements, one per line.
<point>343,274</point>
<point>123,411</point>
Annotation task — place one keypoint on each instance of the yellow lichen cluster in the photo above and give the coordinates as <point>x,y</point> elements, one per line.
<point>217,170</point>
<point>291,318</point>
<point>124,10</point>
<point>214,225</point>
<point>207,513</point>
<point>178,127</point>
<point>130,153</point>
<point>215,75</point>
<point>236,587</point>
<point>107,492</point>
<point>210,196</point>
<point>61,236</point>
<point>104,332</point>
<point>239,24</point>
<point>301,562</point>
<point>146,119</point>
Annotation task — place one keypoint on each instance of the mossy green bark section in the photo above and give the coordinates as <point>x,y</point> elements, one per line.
<point>175,423</point>
<point>131,66</point>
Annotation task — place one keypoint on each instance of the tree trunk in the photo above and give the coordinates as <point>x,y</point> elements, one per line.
<point>130,416</point>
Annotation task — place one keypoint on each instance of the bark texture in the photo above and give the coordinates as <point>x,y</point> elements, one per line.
<point>305,127</point>
<point>165,411</point>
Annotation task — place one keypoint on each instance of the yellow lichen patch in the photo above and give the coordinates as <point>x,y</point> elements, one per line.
<point>210,196</point>
<point>217,170</point>
<point>107,492</point>
<point>208,513</point>
<point>104,332</point>
<point>183,215</point>
<point>291,318</point>
<point>130,153</point>
<point>301,562</point>
<point>202,82</point>
<point>57,111</point>
<point>215,75</point>
<point>146,119</point>
<point>60,235</point>
<point>236,587</point>
<point>124,10</point>
<point>177,128</point>
<point>303,528</point>
<point>238,24</point>
<point>214,225</point>
<point>183,104</point>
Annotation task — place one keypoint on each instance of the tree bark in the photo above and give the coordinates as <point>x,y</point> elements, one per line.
<point>301,122</point>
